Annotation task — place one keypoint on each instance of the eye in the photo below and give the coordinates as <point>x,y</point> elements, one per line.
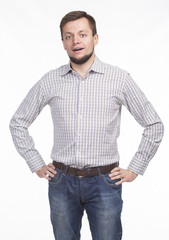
<point>68,37</point>
<point>83,35</point>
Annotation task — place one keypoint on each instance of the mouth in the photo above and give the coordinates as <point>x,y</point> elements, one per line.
<point>77,49</point>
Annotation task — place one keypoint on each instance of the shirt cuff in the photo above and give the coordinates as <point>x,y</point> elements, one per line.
<point>36,163</point>
<point>138,166</point>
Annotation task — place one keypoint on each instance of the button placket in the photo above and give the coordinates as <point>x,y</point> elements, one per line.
<point>79,114</point>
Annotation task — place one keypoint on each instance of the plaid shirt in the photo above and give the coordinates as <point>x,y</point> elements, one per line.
<point>86,116</point>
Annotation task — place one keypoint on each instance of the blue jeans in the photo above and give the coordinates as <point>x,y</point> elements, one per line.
<point>69,196</point>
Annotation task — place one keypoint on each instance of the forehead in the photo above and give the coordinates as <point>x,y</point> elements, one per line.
<point>78,25</point>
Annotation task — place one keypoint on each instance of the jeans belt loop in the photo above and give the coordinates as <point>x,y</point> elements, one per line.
<point>99,172</point>
<point>66,170</point>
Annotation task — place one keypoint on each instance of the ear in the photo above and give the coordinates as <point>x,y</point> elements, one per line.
<point>96,39</point>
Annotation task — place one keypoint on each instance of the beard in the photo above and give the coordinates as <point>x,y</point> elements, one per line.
<point>81,60</point>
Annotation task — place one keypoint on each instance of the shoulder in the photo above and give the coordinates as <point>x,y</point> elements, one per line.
<point>114,73</point>
<point>119,72</point>
<point>52,77</point>
<point>54,74</point>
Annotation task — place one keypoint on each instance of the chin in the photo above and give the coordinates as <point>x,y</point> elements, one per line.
<point>81,60</point>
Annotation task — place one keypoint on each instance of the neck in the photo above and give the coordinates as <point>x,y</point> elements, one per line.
<point>82,69</point>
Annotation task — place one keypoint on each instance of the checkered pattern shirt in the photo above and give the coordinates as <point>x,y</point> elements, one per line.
<point>86,116</point>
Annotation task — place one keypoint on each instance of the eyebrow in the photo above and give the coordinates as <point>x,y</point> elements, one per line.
<point>79,32</point>
<point>67,33</point>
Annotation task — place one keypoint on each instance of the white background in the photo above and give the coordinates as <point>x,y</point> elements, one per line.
<point>134,35</point>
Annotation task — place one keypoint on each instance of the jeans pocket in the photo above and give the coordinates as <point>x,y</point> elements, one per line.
<point>56,179</point>
<point>109,182</point>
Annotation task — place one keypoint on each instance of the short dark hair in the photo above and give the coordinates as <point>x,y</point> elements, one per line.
<point>74,15</point>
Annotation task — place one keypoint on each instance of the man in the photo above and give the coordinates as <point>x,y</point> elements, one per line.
<point>86,97</point>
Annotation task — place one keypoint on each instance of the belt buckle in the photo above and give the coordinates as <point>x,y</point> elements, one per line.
<point>89,171</point>
<point>76,173</point>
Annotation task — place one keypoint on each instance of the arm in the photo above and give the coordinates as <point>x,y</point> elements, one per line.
<point>144,113</point>
<point>20,122</point>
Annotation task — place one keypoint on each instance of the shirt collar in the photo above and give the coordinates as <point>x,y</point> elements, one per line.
<point>66,69</point>
<point>97,66</point>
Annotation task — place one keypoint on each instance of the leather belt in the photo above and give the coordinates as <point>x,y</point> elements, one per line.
<point>85,172</point>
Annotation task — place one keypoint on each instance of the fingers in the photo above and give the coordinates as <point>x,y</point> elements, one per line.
<point>47,171</point>
<point>116,173</point>
<point>124,174</point>
<point>51,168</point>
<point>46,176</point>
<point>51,165</point>
<point>120,182</point>
<point>115,169</point>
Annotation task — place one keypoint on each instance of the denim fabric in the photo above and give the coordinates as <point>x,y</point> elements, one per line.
<point>69,196</point>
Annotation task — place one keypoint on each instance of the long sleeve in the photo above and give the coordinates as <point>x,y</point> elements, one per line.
<point>22,119</point>
<point>86,118</point>
<point>144,113</point>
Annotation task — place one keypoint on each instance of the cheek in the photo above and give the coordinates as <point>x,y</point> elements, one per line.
<point>66,46</point>
<point>90,45</point>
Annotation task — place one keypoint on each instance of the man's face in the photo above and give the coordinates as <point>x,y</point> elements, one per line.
<point>79,41</point>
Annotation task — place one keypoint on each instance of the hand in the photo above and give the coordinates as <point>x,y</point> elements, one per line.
<point>47,171</point>
<point>125,174</point>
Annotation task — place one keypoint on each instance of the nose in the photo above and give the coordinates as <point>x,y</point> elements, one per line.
<point>76,39</point>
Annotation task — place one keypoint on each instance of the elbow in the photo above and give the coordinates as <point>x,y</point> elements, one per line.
<point>154,132</point>
<point>159,132</point>
<point>11,125</point>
